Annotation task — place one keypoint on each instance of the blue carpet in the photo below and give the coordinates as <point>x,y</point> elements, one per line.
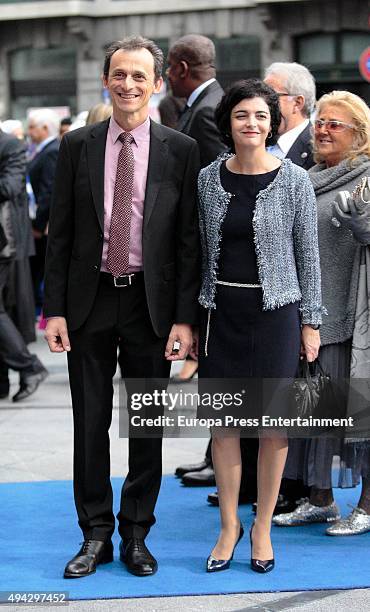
<point>42,535</point>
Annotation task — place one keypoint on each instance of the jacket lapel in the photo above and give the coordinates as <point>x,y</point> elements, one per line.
<point>300,149</point>
<point>96,143</point>
<point>157,163</point>
<point>184,118</point>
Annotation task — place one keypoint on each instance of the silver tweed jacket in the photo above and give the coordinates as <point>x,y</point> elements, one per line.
<point>285,236</point>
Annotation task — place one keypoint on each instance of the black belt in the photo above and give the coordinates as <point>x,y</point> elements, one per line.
<point>125,280</point>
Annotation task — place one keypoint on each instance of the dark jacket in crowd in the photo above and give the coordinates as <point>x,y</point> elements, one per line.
<point>199,123</point>
<point>14,219</point>
<point>301,150</point>
<point>41,171</point>
<point>16,241</point>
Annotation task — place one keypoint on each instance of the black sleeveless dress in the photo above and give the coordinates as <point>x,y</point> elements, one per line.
<point>245,341</point>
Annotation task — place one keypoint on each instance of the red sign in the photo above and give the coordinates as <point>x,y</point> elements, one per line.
<point>364,64</point>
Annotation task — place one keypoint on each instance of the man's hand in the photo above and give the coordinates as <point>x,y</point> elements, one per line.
<point>181,333</point>
<point>56,335</point>
<point>310,340</point>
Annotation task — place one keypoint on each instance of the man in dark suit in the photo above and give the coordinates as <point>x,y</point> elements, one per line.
<point>192,75</point>
<point>296,89</point>
<point>15,239</point>
<point>122,265</point>
<point>43,130</point>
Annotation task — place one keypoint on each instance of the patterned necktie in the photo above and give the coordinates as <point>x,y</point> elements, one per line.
<point>119,233</point>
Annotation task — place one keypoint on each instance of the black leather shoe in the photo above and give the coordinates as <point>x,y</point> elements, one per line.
<point>137,558</point>
<point>29,385</point>
<point>244,498</point>
<point>194,467</point>
<point>91,554</point>
<point>262,567</point>
<point>203,478</point>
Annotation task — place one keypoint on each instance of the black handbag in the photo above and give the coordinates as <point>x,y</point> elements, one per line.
<point>315,395</point>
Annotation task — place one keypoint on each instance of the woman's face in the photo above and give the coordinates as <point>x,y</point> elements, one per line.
<point>250,123</point>
<point>331,144</point>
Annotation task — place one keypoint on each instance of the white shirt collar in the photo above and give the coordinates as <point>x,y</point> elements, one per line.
<point>44,143</point>
<point>194,94</point>
<point>286,141</point>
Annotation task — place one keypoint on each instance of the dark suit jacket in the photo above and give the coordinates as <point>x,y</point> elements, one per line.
<point>171,258</point>
<point>41,171</point>
<point>199,123</point>
<point>301,150</point>
<point>13,196</point>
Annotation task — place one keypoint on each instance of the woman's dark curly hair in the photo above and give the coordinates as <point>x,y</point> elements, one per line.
<point>242,90</point>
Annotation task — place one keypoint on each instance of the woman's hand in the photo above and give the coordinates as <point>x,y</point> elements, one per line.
<point>356,221</point>
<point>310,343</point>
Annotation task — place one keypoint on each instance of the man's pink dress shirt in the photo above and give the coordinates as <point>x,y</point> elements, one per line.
<point>140,148</point>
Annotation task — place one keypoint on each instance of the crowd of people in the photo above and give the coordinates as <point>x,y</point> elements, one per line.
<point>216,235</point>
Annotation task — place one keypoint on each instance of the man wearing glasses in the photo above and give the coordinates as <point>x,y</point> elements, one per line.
<point>295,86</point>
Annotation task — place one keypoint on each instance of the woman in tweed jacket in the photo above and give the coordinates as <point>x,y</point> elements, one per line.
<point>260,292</point>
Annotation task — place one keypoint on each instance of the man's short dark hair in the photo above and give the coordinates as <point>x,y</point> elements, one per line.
<point>132,43</point>
<point>198,52</point>
<point>243,90</point>
<point>66,121</point>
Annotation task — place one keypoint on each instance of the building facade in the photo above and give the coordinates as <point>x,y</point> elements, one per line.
<point>51,52</point>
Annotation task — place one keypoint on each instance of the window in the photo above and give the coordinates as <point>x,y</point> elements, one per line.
<point>333,60</point>
<point>340,48</point>
<point>317,49</point>
<point>237,58</point>
<point>352,46</point>
<point>42,77</point>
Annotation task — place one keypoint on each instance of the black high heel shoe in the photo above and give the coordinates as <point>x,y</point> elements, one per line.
<point>218,565</point>
<point>262,567</point>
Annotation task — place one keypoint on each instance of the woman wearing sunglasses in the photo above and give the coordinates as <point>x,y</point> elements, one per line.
<point>342,153</point>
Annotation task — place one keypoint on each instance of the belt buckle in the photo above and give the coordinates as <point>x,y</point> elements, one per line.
<point>126,277</point>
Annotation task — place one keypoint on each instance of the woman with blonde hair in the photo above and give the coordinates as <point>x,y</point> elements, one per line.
<point>342,153</point>
<point>99,112</point>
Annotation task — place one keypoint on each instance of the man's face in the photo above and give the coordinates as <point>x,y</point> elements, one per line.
<point>64,129</point>
<point>131,82</point>
<point>288,105</point>
<point>37,133</point>
<point>173,72</point>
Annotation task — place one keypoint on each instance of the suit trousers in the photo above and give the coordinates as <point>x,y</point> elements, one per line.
<point>14,353</point>
<point>119,315</point>
<point>37,263</point>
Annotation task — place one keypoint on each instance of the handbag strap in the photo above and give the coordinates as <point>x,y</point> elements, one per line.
<point>306,372</point>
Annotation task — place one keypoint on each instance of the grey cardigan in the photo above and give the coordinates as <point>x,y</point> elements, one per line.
<point>285,235</point>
